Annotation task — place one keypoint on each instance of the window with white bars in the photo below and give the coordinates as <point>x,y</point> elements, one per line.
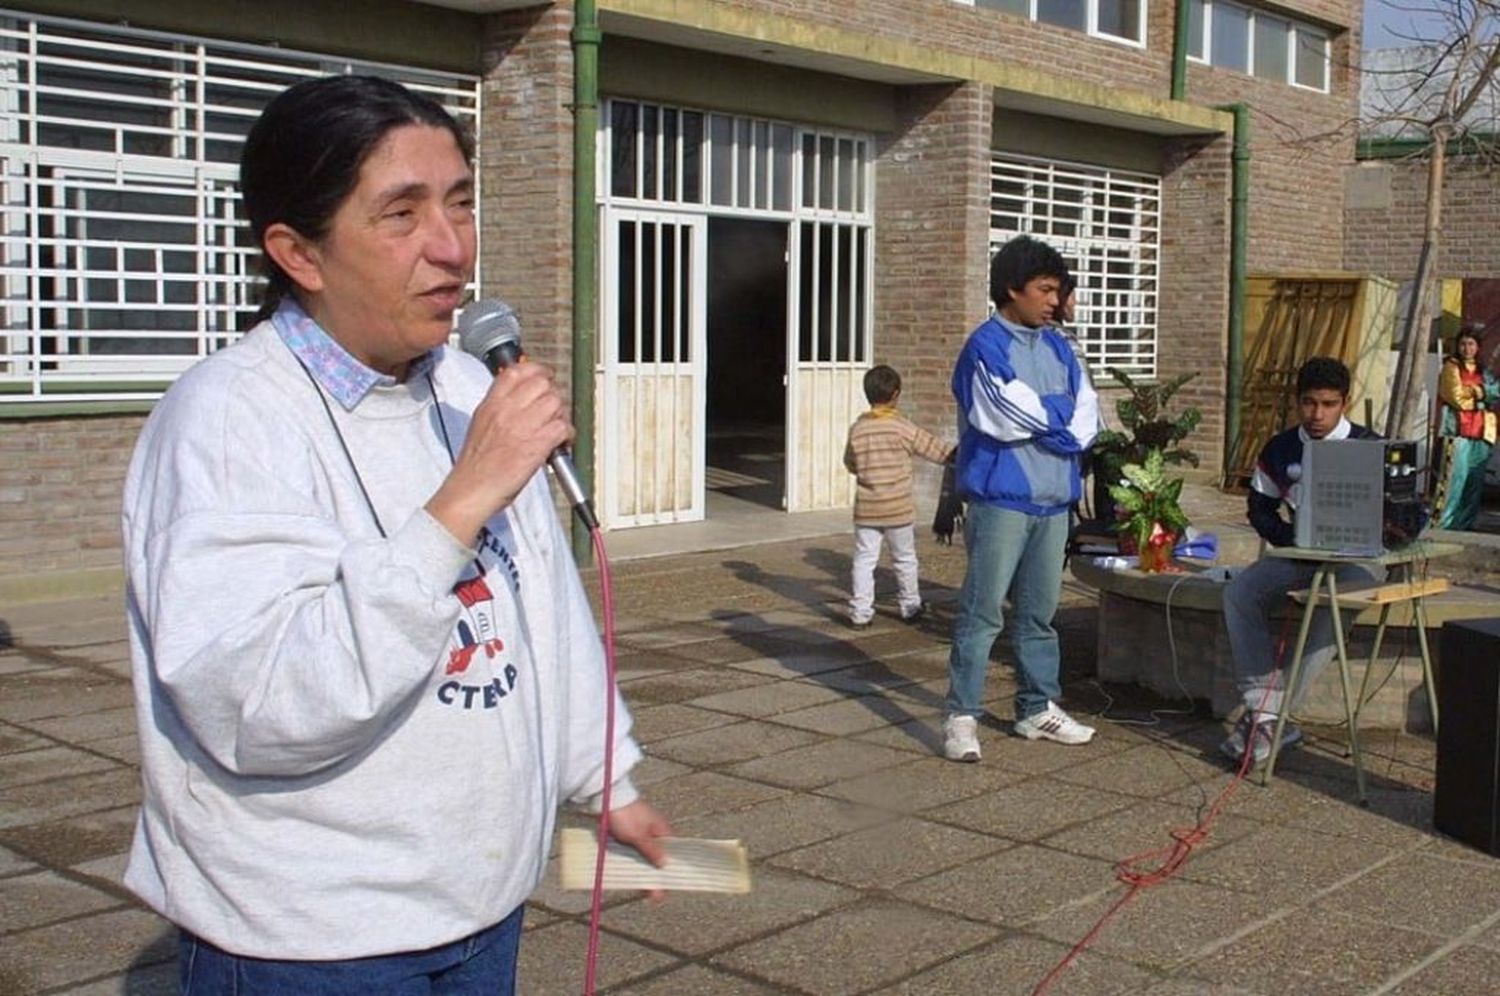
<point>1107,224</point>
<point>124,256</point>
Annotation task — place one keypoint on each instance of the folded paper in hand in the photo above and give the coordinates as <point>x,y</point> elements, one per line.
<point>693,865</point>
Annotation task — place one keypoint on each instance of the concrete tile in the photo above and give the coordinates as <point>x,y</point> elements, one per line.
<point>698,981</point>
<point>666,637</point>
<point>1195,987</point>
<point>708,792</point>
<point>693,924</point>
<point>780,824</point>
<point>63,691</point>
<point>1146,771</point>
<point>66,797</point>
<point>1031,810</point>
<point>552,959</point>
<point>852,715</point>
<point>1464,970</point>
<point>819,763</point>
<point>1037,882</point>
<point>125,749</point>
<point>14,739</point>
<point>15,662</point>
<point>730,742</point>
<point>12,863</point>
<point>44,897</point>
<point>75,839</point>
<point>889,853</point>
<point>1145,826</point>
<point>760,701</point>
<point>85,727</point>
<point>1422,893</point>
<point>651,770</point>
<point>922,736</point>
<point>857,949</point>
<point>107,625</point>
<point>29,767</point>
<point>1283,863</point>
<point>1014,966</point>
<point>1162,925</point>
<point>116,942</point>
<point>875,676</point>
<point>149,980</point>
<point>917,786</point>
<point>679,686</point>
<point>102,653</point>
<point>1034,757</point>
<point>1318,954</point>
<point>659,722</point>
<point>802,662</point>
<point>109,869</point>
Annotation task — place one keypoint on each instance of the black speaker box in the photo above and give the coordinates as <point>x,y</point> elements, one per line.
<point>1466,798</point>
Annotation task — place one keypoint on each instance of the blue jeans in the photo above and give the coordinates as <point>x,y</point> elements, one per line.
<point>480,963</point>
<point>1009,552</point>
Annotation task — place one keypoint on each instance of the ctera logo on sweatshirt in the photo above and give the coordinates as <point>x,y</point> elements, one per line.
<point>476,633</point>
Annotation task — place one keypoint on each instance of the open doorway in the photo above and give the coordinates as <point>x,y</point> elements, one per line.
<point>746,392</point>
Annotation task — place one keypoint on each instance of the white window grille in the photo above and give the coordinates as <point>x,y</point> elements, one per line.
<point>124,256</point>
<point>1107,225</point>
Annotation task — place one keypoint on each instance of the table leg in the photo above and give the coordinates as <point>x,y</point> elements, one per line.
<point>1349,707</point>
<point>1419,616</point>
<point>1364,683</point>
<point>1291,675</point>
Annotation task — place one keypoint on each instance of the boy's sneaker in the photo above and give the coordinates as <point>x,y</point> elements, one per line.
<point>1054,724</point>
<point>915,614</point>
<point>961,738</point>
<point>857,623</point>
<point>1257,730</point>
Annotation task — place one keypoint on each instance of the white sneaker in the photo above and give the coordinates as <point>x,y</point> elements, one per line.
<point>961,738</point>
<point>1054,724</point>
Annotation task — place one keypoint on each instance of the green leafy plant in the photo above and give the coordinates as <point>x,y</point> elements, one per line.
<point>1146,425</point>
<point>1147,502</point>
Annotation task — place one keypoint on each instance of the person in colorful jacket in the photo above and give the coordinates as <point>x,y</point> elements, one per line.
<point>1027,413</point>
<point>1470,395</point>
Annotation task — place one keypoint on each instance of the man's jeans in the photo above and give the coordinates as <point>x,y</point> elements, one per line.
<point>1251,598</point>
<point>903,544</point>
<point>483,963</point>
<point>1009,552</point>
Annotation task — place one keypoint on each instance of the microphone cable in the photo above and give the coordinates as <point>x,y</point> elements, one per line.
<point>596,903</point>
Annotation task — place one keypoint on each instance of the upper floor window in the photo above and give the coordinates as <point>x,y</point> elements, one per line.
<point>1117,20</point>
<point>1259,43</point>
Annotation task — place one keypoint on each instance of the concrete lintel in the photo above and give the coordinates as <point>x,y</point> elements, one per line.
<point>788,41</point>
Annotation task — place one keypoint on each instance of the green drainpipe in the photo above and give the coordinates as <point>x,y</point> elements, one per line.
<point>585,251</point>
<point>1239,237</point>
<point>1180,50</point>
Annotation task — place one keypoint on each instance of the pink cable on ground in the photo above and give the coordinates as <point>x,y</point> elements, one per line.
<point>597,903</point>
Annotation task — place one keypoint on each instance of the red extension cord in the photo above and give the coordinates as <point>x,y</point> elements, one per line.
<point>607,598</point>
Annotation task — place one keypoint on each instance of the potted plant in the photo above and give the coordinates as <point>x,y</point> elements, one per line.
<point>1148,510</point>
<point>1146,425</point>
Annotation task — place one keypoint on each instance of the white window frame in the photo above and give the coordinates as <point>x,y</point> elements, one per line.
<point>1293,26</point>
<point>1092,30</point>
<point>71,290</point>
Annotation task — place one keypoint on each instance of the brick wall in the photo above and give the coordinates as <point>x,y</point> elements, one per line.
<point>1193,303</point>
<point>60,493</point>
<point>526,181</point>
<point>931,234</point>
<point>1385,215</point>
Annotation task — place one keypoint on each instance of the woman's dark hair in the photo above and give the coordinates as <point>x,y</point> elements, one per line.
<point>1467,331</point>
<point>1019,262</point>
<point>303,155</point>
<point>1323,373</point>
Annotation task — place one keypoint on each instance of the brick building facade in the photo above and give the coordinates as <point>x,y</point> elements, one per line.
<point>939,103</point>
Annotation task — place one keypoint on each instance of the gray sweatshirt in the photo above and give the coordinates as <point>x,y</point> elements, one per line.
<point>351,745</point>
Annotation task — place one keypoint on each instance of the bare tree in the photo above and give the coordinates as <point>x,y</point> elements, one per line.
<point>1442,91</point>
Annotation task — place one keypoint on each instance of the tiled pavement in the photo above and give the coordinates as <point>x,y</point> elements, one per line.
<point>879,868</point>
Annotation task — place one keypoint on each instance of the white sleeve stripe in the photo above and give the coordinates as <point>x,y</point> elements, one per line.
<point>1015,400</point>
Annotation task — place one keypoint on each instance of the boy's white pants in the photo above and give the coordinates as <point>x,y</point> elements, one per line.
<point>903,543</point>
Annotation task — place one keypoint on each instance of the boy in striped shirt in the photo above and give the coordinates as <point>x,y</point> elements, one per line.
<point>881,444</point>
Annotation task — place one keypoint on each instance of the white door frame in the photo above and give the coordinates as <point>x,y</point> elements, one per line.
<point>631,459</point>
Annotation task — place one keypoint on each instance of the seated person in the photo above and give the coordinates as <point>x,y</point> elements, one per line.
<point>1257,592</point>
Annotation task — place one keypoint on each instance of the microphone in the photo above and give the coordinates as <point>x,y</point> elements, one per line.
<point>489,331</point>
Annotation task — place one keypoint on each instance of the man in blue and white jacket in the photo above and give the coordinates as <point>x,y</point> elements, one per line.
<point>1027,413</point>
